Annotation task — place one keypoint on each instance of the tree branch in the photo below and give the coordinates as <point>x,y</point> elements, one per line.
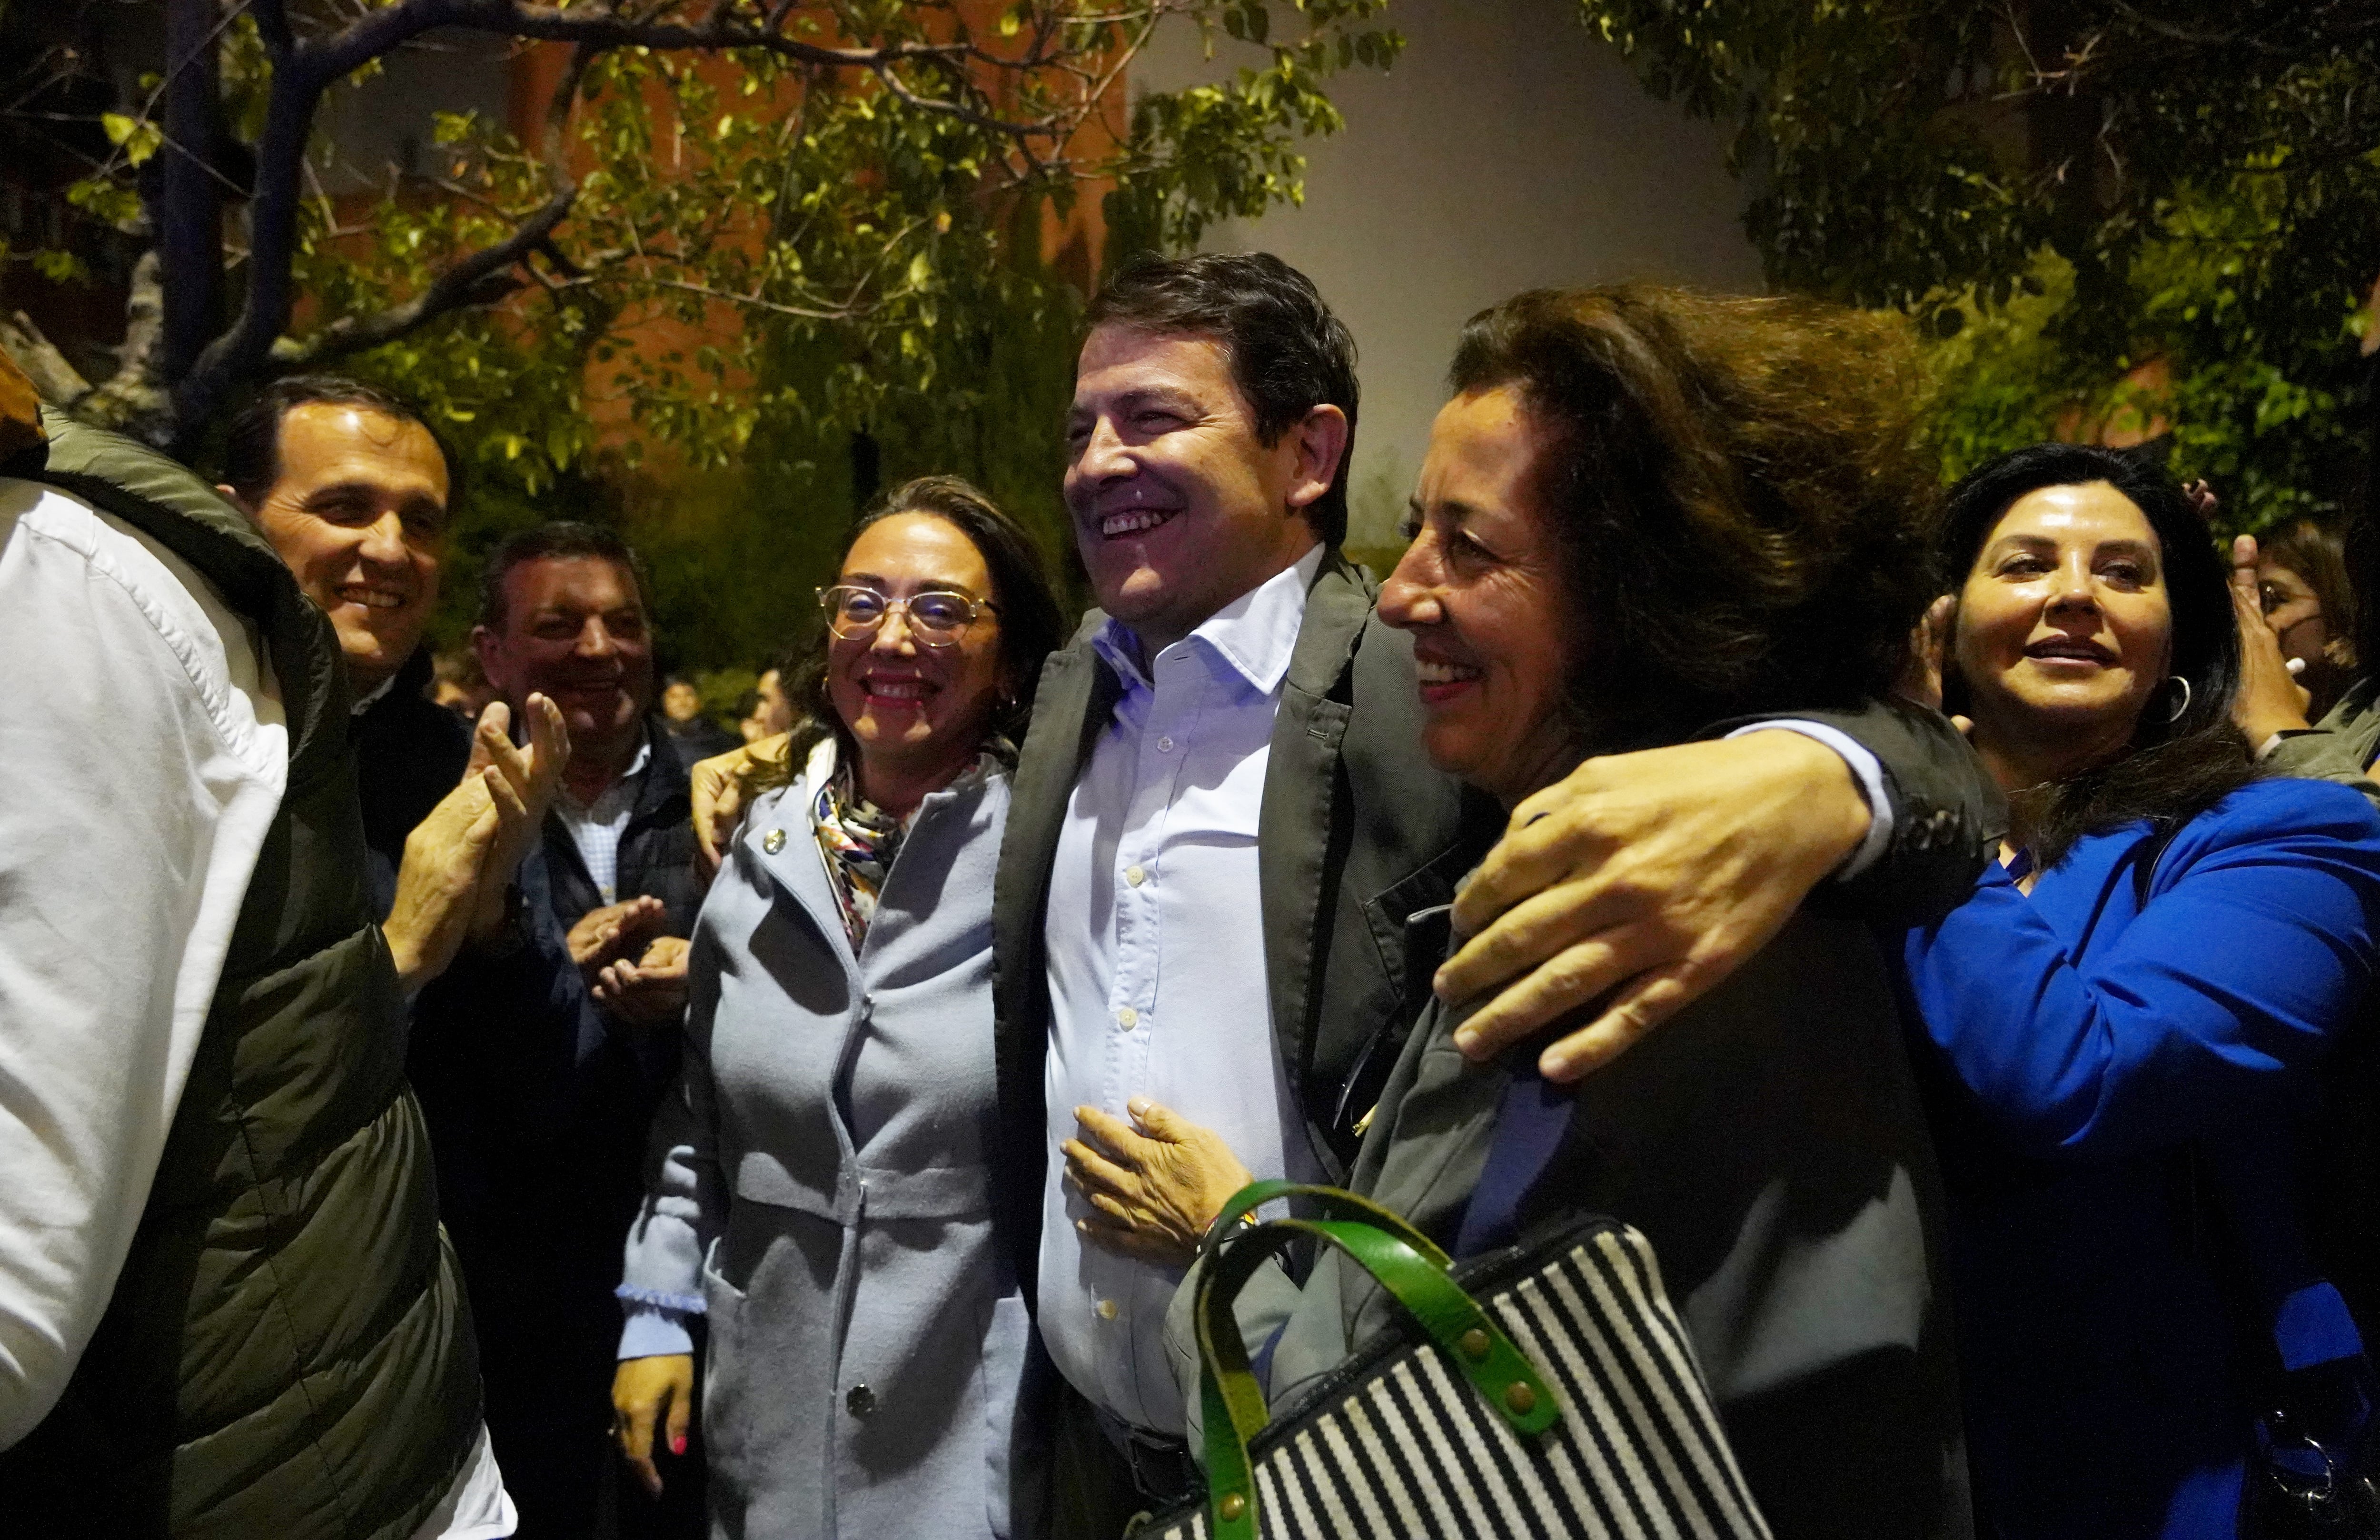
<point>599,25</point>
<point>476,278</point>
<point>60,383</point>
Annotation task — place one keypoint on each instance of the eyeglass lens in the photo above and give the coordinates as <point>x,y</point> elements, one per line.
<point>935,614</point>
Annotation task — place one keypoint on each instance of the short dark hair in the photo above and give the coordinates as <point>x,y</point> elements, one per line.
<point>2177,765</point>
<point>1288,353</point>
<point>252,444</point>
<point>556,541</point>
<point>1737,492</point>
<point>1031,624</point>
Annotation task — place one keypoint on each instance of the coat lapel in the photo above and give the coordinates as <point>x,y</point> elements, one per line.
<point>794,866</point>
<point>1072,706</point>
<point>1295,827</point>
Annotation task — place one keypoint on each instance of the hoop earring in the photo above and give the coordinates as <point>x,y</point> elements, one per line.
<point>2183,704</point>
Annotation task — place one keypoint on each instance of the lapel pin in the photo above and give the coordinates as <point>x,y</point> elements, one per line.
<point>773,841</point>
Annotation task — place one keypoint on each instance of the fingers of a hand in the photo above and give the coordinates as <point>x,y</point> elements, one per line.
<point>1526,935</point>
<point>589,944</point>
<point>1528,857</point>
<point>1159,1121</point>
<point>494,727</point>
<point>1567,982</point>
<point>1111,1133</point>
<point>506,795</point>
<point>1641,1005</point>
<point>666,957</point>
<point>1094,1171</point>
<point>681,1413</point>
<point>1125,1215</point>
<point>636,1423</point>
<point>549,737</point>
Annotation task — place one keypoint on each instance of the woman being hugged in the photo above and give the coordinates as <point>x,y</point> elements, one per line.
<point>2122,1025</point>
<point>1644,516</point>
<point>820,1193</point>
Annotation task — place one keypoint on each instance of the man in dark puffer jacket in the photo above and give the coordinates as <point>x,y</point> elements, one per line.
<point>225,1305</point>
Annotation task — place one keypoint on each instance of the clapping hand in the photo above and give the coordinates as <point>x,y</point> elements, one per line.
<point>534,774</point>
<point>612,931</point>
<point>459,861</point>
<point>650,991</point>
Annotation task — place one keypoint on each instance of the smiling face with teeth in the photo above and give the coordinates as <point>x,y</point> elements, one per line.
<point>1480,589</point>
<point>918,713</point>
<point>2065,630</point>
<point>358,513</point>
<point>1179,506</point>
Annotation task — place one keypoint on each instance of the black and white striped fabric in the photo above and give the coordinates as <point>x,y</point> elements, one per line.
<point>1397,1446</point>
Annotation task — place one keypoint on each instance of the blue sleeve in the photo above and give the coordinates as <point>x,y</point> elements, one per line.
<point>685,1199</point>
<point>2251,953</point>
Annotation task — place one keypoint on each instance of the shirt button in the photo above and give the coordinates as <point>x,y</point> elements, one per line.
<point>1164,745</point>
<point>1135,874</point>
<point>859,1400</point>
<point>773,841</point>
<point>1107,1310</point>
<point>1127,1017</point>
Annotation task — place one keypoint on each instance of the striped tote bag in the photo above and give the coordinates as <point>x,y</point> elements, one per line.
<point>1544,1392</point>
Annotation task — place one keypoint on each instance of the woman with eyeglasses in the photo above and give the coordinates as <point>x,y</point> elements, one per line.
<point>818,1194</point>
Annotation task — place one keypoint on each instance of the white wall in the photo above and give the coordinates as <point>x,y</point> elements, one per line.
<point>1508,150</point>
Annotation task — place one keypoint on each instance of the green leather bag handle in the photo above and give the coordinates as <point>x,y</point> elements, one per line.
<point>1404,1261</point>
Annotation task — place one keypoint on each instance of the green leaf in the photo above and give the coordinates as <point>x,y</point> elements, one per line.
<point>139,138</point>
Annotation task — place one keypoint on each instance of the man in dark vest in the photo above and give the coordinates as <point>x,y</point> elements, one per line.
<point>225,1305</point>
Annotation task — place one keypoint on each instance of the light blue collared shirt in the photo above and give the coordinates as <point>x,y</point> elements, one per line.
<point>1157,963</point>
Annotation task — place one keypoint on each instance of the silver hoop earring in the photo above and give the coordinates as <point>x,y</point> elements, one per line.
<point>2183,704</point>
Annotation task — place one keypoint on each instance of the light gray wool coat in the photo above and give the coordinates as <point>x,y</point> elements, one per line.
<point>817,1184</point>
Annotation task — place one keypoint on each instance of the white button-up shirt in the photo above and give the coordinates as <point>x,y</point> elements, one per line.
<point>1156,944</point>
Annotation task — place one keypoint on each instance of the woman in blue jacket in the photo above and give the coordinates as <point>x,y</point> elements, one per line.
<point>2126,1022</point>
<point>819,1190</point>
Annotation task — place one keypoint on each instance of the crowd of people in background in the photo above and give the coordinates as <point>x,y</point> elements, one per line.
<point>490,1094</point>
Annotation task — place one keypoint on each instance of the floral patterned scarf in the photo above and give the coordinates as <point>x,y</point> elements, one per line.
<point>859,841</point>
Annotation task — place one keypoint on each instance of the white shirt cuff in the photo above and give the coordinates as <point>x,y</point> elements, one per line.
<point>1866,769</point>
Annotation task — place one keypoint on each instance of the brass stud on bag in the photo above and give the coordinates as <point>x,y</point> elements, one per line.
<point>1474,1344</point>
<point>1519,1399</point>
<point>1232,1507</point>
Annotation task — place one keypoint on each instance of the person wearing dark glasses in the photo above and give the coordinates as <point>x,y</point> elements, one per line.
<point>819,1183</point>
